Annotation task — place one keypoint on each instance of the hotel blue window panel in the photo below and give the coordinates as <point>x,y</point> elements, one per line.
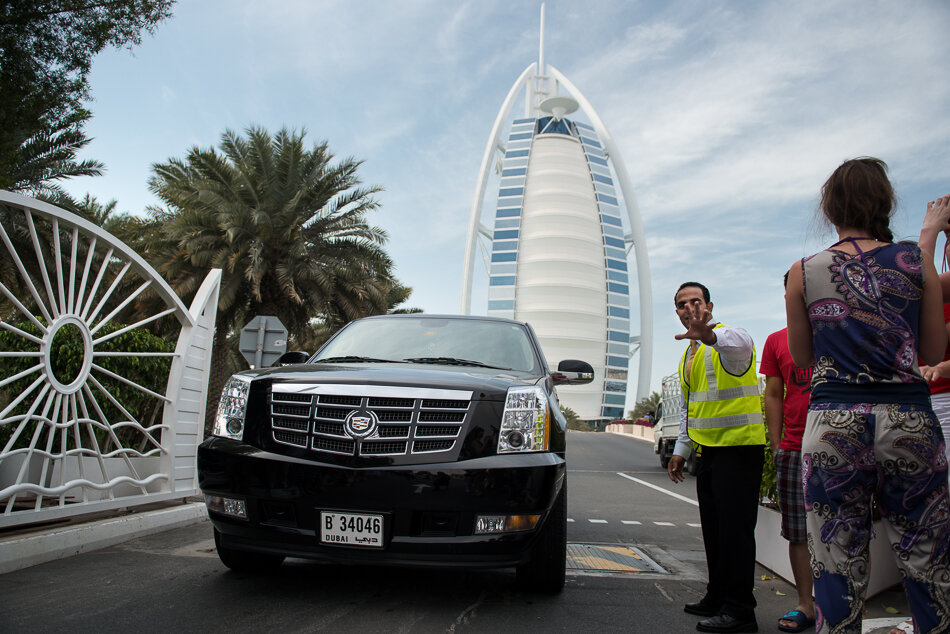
<point>518,137</point>
<point>617,311</point>
<point>610,230</point>
<point>610,220</point>
<point>581,124</point>
<point>614,242</point>
<point>517,121</point>
<point>600,177</point>
<point>501,304</point>
<point>615,399</point>
<point>615,386</point>
<point>507,223</point>
<point>506,234</point>
<point>595,152</point>
<point>593,159</point>
<point>591,142</point>
<point>607,199</point>
<point>515,153</point>
<point>618,254</point>
<point>617,374</point>
<point>619,362</point>
<point>505,245</point>
<point>616,264</point>
<point>510,191</point>
<point>613,287</point>
<point>510,256</point>
<point>508,212</point>
<point>612,412</point>
<point>613,335</point>
<point>503,280</point>
<point>618,348</point>
<point>518,171</point>
<point>617,276</point>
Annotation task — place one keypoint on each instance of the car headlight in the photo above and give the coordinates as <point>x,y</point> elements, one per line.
<point>229,421</point>
<point>525,421</point>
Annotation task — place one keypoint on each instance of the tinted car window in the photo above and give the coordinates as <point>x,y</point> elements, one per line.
<point>496,344</point>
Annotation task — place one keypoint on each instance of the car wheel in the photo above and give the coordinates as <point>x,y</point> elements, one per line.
<point>244,561</point>
<point>545,569</point>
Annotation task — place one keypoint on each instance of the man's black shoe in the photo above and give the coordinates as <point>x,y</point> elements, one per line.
<point>701,608</point>
<point>726,623</point>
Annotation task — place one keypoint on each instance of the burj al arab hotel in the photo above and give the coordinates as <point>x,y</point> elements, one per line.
<point>560,237</point>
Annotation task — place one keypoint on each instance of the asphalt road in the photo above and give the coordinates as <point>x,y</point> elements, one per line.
<point>173,581</point>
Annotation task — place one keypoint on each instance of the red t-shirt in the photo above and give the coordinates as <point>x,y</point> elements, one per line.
<point>777,361</point>
<point>941,384</point>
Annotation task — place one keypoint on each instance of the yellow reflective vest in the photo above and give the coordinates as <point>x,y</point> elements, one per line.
<point>722,409</point>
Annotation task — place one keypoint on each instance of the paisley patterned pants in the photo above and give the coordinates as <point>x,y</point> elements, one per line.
<point>856,455</point>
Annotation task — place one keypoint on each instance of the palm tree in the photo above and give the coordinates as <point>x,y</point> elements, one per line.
<point>285,224</point>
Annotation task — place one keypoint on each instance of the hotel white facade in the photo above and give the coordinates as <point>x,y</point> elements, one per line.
<point>560,236</point>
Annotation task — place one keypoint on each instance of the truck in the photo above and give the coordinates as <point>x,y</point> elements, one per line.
<point>667,426</point>
<point>407,440</point>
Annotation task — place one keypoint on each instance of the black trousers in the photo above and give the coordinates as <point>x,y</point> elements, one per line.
<point>727,487</point>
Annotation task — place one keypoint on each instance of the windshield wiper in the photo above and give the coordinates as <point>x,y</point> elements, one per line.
<point>454,361</point>
<point>355,359</point>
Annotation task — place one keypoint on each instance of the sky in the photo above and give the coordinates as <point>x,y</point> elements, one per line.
<point>728,115</point>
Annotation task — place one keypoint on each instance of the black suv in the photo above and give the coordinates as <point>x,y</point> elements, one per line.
<point>405,440</point>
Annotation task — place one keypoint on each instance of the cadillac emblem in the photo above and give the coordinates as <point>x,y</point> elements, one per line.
<point>360,424</point>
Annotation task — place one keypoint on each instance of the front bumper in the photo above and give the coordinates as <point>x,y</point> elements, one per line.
<point>429,510</point>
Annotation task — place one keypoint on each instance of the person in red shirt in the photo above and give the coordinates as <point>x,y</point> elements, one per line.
<point>787,391</point>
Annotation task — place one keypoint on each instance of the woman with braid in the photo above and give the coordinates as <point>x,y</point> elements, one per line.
<point>862,311</point>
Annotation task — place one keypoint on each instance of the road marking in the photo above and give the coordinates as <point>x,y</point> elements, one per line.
<point>597,521</point>
<point>660,489</point>
<point>630,522</point>
<point>570,519</point>
<point>694,525</point>
<point>664,523</point>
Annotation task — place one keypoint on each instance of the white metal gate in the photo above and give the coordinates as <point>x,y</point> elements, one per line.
<point>109,433</point>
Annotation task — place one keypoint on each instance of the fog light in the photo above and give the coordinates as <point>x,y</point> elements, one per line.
<point>226,506</point>
<point>489,524</point>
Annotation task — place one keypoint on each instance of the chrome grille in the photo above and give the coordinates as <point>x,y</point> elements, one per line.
<point>306,416</point>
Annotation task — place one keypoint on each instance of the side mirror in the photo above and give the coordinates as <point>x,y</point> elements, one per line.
<point>573,372</point>
<point>293,357</point>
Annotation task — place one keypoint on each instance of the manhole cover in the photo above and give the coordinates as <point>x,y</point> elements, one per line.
<point>604,558</point>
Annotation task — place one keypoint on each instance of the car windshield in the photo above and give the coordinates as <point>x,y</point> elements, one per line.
<point>432,340</point>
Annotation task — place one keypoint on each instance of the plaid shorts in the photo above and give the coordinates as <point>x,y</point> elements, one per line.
<point>791,493</point>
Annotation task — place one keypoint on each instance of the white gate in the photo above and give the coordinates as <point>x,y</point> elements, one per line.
<point>121,427</point>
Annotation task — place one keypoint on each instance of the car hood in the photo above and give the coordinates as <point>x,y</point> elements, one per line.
<point>485,383</point>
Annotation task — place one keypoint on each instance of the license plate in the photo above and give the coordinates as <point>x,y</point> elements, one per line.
<point>351,529</point>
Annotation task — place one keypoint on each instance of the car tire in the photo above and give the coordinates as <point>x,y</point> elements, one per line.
<point>546,567</point>
<point>244,561</point>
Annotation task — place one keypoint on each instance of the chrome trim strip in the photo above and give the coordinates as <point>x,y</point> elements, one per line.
<point>339,389</point>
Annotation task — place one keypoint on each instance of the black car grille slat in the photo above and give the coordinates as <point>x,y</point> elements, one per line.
<point>333,445</point>
<point>391,402</point>
<point>295,424</point>
<point>290,438</point>
<point>437,430</point>
<point>330,429</point>
<point>395,417</point>
<point>405,426</point>
<point>298,398</point>
<point>445,404</point>
<point>427,446</point>
<point>441,417</point>
<point>375,447</point>
<point>332,412</point>
<point>291,410</point>
<point>333,399</point>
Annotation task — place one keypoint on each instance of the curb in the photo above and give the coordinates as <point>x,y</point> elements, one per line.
<point>22,551</point>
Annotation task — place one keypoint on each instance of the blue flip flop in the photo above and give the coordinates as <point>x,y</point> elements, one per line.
<point>800,618</point>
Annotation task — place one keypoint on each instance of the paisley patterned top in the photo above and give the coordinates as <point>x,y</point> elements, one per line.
<point>864,314</point>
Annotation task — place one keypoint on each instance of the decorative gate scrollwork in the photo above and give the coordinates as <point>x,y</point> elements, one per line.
<point>97,411</point>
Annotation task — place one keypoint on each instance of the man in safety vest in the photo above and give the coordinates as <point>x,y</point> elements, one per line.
<point>722,414</point>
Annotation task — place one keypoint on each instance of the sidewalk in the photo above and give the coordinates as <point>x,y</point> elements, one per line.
<point>25,547</point>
